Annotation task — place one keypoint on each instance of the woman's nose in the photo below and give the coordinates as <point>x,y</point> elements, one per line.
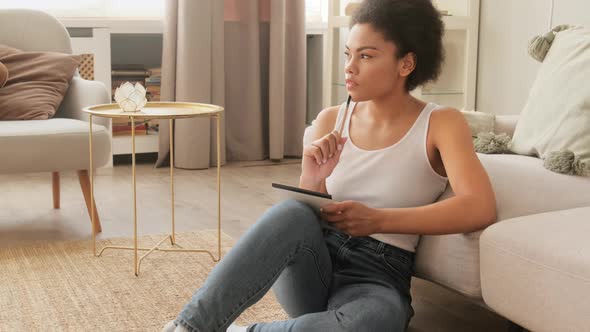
<point>349,66</point>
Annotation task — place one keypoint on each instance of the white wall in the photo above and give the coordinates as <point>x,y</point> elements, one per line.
<point>505,70</point>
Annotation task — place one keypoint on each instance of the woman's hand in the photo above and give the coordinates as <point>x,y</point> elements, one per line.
<point>321,157</point>
<point>352,218</point>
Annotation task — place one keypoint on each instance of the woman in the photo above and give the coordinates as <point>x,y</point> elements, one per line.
<point>385,159</point>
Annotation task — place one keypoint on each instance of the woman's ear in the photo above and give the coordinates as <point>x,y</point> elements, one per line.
<point>408,64</point>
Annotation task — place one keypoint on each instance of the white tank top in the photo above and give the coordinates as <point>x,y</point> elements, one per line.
<point>397,176</point>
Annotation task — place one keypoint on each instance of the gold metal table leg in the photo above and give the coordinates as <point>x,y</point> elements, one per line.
<point>218,189</point>
<point>136,265</point>
<point>172,237</point>
<point>91,167</point>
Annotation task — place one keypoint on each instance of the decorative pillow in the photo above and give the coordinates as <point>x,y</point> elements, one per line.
<point>479,122</point>
<point>555,121</point>
<point>37,83</point>
<point>3,74</point>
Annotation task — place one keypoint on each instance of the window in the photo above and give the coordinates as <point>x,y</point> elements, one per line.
<point>315,10</point>
<point>92,8</point>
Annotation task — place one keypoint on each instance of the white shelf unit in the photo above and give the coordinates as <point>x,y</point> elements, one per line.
<point>94,36</point>
<point>456,86</point>
<point>143,144</point>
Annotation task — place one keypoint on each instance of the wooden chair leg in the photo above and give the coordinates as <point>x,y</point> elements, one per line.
<point>55,183</point>
<point>85,185</point>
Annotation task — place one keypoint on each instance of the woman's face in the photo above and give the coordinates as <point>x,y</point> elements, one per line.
<point>372,69</point>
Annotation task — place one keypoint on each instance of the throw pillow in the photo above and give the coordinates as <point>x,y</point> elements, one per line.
<point>479,122</point>
<point>556,116</point>
<point>37,83</point>
<point>3,74</point>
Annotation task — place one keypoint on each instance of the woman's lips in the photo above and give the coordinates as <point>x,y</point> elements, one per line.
<point>350,84</point>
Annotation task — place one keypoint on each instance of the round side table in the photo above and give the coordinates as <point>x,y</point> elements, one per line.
<point>156,110</point>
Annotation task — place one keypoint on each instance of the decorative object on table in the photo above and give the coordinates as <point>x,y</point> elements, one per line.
<point>556,116</point>
<point>131,98</point>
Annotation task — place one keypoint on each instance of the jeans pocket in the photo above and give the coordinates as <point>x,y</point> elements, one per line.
<point>399,264</point>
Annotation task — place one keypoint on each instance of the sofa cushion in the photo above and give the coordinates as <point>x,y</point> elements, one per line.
<point>51,145</point>
<point>556,115</point>
<point>522,187</point>
<point>37,83</point>
<point>536,270</point>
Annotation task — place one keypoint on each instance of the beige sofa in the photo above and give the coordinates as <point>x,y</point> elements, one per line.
<point>60,143</point>
<point>533,265</point>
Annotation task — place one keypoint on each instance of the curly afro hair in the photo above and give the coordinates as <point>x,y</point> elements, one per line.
<point>413,26</point>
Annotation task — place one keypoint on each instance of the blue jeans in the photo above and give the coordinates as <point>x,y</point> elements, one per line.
<point>324,279</point>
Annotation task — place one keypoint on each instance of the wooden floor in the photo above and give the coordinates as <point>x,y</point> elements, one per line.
<point>26,216</point>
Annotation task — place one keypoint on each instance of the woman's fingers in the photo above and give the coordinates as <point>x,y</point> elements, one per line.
<point>321,145</point>
<point>319,155</point>
<point>315,152</point>
<point>333,139</point>
<point>333,217</point>
<point>327,147</point>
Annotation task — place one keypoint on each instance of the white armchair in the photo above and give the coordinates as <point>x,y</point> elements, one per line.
<point>60,143</point>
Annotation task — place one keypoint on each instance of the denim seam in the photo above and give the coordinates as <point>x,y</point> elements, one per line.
<point>342,248</point>
<point>264,284</point>
<point>401,274</point>
<point>391,266</point>
<point>186,325</point>
<point>317,265</point>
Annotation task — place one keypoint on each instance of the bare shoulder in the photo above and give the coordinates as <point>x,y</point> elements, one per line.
<point>325,121</point>
<point>448,121</point>
<point>444,115</point>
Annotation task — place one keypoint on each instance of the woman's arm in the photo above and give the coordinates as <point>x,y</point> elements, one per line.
<point>472,208</point>
<point>323,125</point>
<point>474,205</point>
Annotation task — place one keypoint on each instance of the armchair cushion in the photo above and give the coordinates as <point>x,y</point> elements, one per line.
<point>51,145</point>
<point>37,84</point>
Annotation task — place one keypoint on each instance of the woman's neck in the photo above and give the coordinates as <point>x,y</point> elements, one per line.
<point>393,106</point>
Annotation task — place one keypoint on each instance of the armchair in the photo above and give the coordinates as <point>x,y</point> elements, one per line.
<point>58,144</point>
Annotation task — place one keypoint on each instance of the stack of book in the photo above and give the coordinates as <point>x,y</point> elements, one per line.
<point>152,84</point>
<point>122,127</point>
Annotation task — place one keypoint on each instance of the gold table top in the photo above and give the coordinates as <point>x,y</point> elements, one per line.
<point>156,110</point>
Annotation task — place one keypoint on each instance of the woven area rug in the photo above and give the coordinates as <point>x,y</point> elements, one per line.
<point>60,286</point>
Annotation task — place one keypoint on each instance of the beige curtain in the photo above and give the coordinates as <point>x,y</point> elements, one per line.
<point>245,55</point>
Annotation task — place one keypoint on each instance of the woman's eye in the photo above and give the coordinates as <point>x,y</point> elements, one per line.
<point>365,56</point>
<point>347,54</point>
